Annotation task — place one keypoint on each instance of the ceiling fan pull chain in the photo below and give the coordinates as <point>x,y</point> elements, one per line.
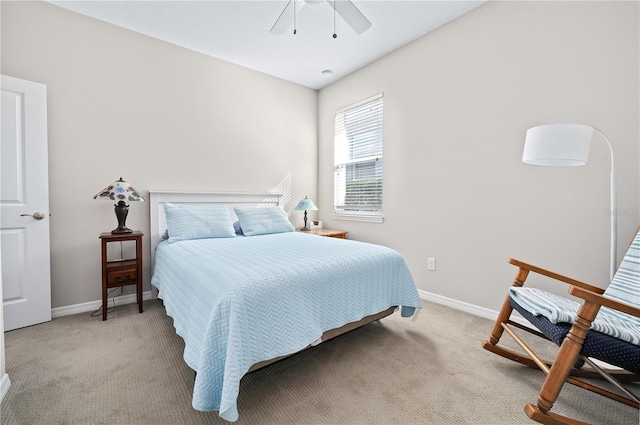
<point>295,30</point>
<point>334,20</point>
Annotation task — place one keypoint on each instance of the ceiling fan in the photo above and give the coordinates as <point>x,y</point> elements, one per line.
<point>345,8</point>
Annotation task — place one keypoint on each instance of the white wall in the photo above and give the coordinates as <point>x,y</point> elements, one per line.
<point>160,116</point>
<point>457,105</point>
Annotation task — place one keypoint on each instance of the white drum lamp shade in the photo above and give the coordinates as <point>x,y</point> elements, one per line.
<point>557,145</point>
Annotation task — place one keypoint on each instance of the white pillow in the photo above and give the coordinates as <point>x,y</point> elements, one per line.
<point>198,222</point>
<point>263,221</point>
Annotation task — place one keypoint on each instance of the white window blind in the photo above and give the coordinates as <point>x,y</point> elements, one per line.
<point>358,158</point>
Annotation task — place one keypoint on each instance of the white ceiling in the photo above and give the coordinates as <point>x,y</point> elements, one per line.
<point>238,31</point>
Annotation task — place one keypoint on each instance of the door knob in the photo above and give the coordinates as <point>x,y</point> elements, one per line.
<point>35,215</point>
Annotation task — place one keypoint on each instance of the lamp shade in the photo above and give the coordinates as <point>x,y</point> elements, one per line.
<point>557,145</point>
<point>306,205</point>
<point>119,191</point>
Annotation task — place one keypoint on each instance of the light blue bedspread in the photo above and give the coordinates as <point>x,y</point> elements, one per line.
<point>238,301</point>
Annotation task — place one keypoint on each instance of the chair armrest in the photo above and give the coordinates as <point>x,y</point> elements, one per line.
<point>604,301</point>
<point>555,276</point>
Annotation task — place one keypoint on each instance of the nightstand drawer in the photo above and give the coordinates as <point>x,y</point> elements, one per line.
<point>122,276</point>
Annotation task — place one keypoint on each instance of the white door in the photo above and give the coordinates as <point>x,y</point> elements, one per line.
<point>24,204</point>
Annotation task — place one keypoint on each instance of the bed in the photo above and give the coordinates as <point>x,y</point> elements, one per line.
<point>241,302</point>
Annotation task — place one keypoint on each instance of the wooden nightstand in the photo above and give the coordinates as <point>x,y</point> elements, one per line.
<point>341,234</point>
<point>124,272</point>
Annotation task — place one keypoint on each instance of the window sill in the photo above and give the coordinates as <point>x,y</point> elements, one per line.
<point>359,217</point>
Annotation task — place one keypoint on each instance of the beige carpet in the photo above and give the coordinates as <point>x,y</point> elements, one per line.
<point>129,370</point>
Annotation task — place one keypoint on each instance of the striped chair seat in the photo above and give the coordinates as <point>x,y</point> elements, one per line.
<point>596,345</point>
<point>553,314</point>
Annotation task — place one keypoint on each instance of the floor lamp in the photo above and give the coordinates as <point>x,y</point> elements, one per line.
<point>566,145</point>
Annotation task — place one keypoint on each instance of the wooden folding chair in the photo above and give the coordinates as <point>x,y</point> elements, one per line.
<point>604,326</point>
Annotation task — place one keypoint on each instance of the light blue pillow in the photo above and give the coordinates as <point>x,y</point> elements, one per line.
<point>263,221</point>
<point>198,222</point>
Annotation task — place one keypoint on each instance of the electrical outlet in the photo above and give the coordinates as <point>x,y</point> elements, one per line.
<point>431,263</point>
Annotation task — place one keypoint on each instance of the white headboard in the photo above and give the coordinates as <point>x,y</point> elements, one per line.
<point>157,199</point>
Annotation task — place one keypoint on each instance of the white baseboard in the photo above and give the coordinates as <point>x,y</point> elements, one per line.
<point>94,305</point>
<point>468,308</point>
<point>425,295</point>
<point>5,383</point>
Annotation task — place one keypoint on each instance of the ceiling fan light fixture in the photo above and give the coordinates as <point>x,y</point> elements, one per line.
<point>345,8</point>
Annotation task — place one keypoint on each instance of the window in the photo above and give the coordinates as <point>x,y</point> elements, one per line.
<point>358,160</point>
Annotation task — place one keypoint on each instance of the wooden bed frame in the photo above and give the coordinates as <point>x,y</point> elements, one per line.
<point>158,225</point>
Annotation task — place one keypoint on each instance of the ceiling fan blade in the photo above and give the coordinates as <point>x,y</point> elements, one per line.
<point>351,14</point>
<point>284,21</point>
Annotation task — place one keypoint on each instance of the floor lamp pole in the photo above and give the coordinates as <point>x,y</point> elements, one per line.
<point>613,211</point>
